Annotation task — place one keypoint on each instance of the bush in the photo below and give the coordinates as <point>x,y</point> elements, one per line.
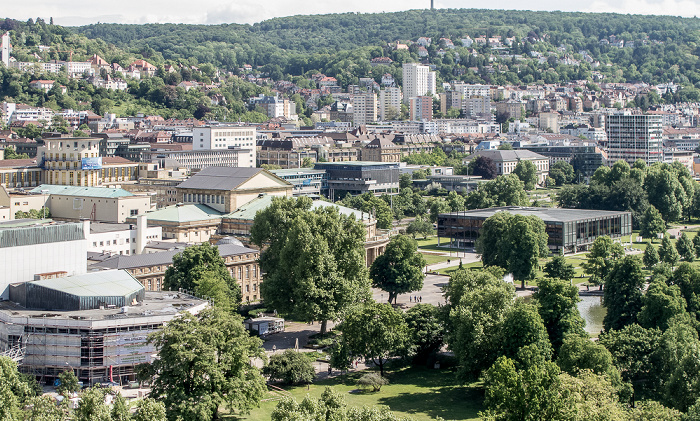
<point>290,367</point>
<point>372,381</point>
<point>323,340</point>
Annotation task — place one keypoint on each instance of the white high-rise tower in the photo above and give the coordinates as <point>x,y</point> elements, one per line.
<point>418,80</point>
<point>6,49</point>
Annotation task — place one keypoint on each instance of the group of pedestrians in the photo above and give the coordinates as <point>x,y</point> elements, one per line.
<point>415,298</point>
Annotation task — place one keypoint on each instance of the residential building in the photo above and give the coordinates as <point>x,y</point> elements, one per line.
<point>390,103</point>
<point>418,80</point>
<point>364,109</point>
<point>420,108</point>
<point>634,136</point>
<point>121,239</point>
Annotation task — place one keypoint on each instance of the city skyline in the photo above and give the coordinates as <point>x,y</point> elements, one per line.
<point>249,11</point>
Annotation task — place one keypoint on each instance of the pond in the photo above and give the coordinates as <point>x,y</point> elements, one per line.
<point>593,312</point>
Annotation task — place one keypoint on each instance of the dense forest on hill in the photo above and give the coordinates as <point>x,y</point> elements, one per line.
<point>666,48</point>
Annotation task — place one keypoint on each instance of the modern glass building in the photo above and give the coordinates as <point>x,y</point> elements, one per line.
<point>569,230</point>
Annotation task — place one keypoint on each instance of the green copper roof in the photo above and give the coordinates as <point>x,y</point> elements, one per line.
<point>184,213</point>
<point>248,211</point>
<point>101,192</point>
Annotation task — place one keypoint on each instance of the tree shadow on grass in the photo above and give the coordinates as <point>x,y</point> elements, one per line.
<point>453,403</point>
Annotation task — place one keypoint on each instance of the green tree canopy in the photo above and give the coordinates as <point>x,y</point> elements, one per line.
<point>559,268</point>
<point>652,223</point>
<point>685,248</point>
<point>290,367</point>
<point>623,293</point>
<point>203,363</point>
<point>202,270</point>
<point>313,260</point>
<point>601,258</point>
<point>376,332</point>
<point>557,301</point>
<point>667,252</point>
<point>651,256</point>
<point>400,269</point>
<point>562,172</point>
<point>660,304</point>
<point>426,331</point>
<point>527,173</point>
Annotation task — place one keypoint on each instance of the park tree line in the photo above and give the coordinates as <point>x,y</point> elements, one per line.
<point>669,189</point>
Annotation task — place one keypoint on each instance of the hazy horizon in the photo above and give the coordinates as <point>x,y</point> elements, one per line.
<point>248,11</point>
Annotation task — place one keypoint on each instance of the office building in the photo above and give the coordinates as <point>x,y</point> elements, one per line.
<point>364,108</point>
<point>227,137</point>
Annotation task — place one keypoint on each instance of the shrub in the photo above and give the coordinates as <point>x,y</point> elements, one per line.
<point>372,381</point>
<point>290,367</point>
<point>69,383</point>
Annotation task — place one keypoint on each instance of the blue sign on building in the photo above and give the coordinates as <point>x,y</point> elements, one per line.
<point>91,163</point>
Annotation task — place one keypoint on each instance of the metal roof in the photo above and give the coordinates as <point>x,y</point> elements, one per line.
<point>219,178</point>
<point>184,213</point>
<point>248,211</point>
<point>101,192</point>
<point>94,284</point>
<point>162,258</point>
<point>25,236</point>
<point>546,214</point>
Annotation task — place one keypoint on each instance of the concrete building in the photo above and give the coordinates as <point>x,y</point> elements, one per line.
<point>20,173</point>
<point>634,136</point>
<point>6,49</point>
<point>227,137</point>
<point>418,80</point>
<point>420,108</point>
<point>568,230</point>
<point>122,239</point>
<point>72,162</point>
<point>306,181</point>
<point>197,159</point>
<point>94,203</point>
<point>507,160</point>
<point>381,149</point>
<point>364,109</point>
<point>360,177</point>
<point>31,249</point>
<point>227,189</point>
<point>95,324</point>
<point>389,103</point>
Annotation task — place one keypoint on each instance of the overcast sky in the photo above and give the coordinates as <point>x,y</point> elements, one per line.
<point>80,12</point>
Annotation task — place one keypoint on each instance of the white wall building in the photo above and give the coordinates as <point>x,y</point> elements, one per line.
<point>122,239</point>
<point>227,137</point>
<point>418,80</point>
<point>6,49</point>
<point>28,251</point>
<point>389,103</point>
<point>364,109</point>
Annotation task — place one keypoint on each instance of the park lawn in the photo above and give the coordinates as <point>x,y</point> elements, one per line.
<point>431,259</point>
<point>430,243</point>
<point>417,392</point>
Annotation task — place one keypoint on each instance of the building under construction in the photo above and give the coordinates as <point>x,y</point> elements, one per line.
<point>96,325</point>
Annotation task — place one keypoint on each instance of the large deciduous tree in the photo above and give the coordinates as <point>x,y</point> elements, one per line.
<point>559,268</point>
<point>623,293</point>
<point>202,270</point>
<point>426,331</point>
<point>601,258</point>
<point>513,242</point>
<point>652,223</point>
<point>527,173</point>
<point>204,362</point>
<point>400,269</point>
<point>485,167</point>
<point>562,172</point>
<point>375,332</point>
<point>557,303</point>
<point>313,260</point>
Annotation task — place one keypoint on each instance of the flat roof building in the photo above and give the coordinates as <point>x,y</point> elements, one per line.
<point>360,177</point>
<point>568,230</point>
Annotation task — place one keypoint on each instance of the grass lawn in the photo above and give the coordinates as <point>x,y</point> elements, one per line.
<point>430,243</point>
<point>432,258</point>
<point>415,392</point>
